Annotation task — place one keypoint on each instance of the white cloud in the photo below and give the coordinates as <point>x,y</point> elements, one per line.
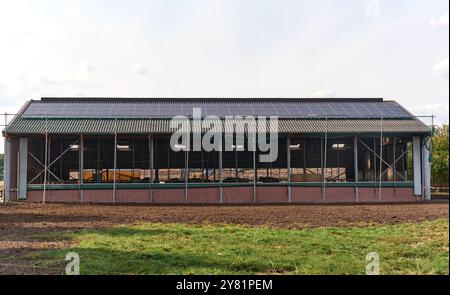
<point>323,93</point>
<point>139,69</point>
<point>81,80</point>
<point>439,22</point>
<point>440,69</point>
<point>83,77</point>
<point>84,73</point>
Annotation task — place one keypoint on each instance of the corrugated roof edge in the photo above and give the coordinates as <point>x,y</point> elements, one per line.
<point>97,125</point>
<point>18,115</point>
<point>408,112</point>
<point>203,99</point>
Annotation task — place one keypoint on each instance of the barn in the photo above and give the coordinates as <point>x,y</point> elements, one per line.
<point>119,150</point>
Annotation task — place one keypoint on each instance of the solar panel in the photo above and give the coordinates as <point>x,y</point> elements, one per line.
<point>288,109</point>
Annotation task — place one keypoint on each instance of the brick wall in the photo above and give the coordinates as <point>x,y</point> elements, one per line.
<point>231,195</point>
<point>132,196</point>
<point>238,194</point>
<point>169,196</point>
<point>98,196</point>
<point>204,195</point>
<point>306,194</point>
<point>275,194</point>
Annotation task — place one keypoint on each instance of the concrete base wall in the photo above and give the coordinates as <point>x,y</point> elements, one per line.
<point>231,195</point>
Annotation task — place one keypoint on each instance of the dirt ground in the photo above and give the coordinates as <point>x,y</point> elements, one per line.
<point>19,222</point>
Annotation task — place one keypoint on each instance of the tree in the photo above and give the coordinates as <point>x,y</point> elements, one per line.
<point>440,156</point>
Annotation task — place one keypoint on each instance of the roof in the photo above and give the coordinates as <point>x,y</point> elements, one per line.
<point>150,115</point>
<point>169,107</point>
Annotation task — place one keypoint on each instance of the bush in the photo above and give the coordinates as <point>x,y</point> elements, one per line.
<point>440,156</point>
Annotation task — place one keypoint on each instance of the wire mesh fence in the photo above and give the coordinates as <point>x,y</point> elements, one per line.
<point>248,194</point>
<point>169,196</point>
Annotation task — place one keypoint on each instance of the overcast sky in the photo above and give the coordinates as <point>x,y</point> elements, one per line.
<point>231,48</point>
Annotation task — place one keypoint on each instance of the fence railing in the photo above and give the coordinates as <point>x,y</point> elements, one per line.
<point>440,190</point>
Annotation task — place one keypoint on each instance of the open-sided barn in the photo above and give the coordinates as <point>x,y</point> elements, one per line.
<point>117,150</point>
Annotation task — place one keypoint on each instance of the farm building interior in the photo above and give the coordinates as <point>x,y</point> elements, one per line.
<point>118,150</point>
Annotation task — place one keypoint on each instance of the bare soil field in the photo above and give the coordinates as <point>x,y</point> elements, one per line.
<point>21,222</point>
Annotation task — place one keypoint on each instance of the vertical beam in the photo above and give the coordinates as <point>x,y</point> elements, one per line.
<point>155,168</point>
<point>81,166</point>
<point>321,158</point>
<point>151,165</point>
<point>7,169</point>
<point>288,150</point>
<point>381,159</point>
<point>168,162</point>
<point>115,161</point>
<point>325,161</point>
<point>394,157</point>
<point>202,165</point>
<point>22,168</point>
<point>186,173</point>
<point>17,173</point>
<point>220,175</point>
<point>426,164</point>
<point>405,160</point>
<point>394,163</point>
<point>45,160</point>
<point>61,158</point>
<point>236,161</point>
<point>431,150</point>
<point>254,172</point>
<point>97,172</point>
<point>375,160</point>
<point>417,166</point>
<point>133,158</point>
<point>45,167</point>
<point>304,155</point>
<point>355,162</point>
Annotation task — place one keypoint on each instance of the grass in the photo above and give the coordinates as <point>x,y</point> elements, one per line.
<point>410,248</point>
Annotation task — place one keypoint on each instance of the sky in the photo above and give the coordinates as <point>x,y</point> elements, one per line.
<point>397,50</point>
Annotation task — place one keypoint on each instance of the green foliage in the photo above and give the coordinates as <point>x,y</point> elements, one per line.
<point>410,248</point>
<point>440,156</point>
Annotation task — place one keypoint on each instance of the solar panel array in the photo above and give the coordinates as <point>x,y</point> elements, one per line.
<point>283,109</point>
